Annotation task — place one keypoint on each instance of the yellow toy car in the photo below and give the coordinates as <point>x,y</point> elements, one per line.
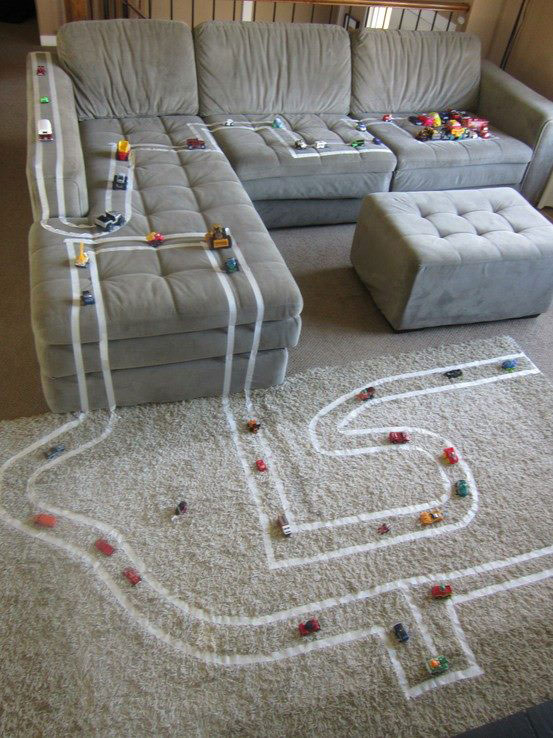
<point>218,237</point>
<point>428,517</point>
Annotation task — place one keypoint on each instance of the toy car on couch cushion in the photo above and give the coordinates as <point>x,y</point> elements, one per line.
<point>218,237</point>
<point>299,143</point>
<point>109,220</point>
<point>120,182</point>
<point>195,143</point>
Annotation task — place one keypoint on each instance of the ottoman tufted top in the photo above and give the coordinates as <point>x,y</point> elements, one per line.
<point>457,226</point>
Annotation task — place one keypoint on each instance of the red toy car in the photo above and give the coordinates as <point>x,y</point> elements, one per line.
<point>451,455</point>
<point>45,520</point>
<point>41,70</point>
<point>309,627</point>
<point>386,117</point>
<point>398,437</point>
<point>133,576</point>
<point>384,528</point>
<point>105,547</point>
<point>154,238</point>
<point>253,426</point>
<point>366,394</point>
<point>195,143</point>
<point>441,591</point>
<point>261,465</point>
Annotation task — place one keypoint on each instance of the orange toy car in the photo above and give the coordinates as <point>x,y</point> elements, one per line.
<point>428,517</point>
<point>123,150</point>
<point>45,520</point>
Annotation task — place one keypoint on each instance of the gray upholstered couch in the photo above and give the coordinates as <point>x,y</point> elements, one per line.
<point>169,323</point>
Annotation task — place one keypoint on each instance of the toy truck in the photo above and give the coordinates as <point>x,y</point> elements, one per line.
<point>44,130</point>
<point>441,591</point>
<point>82,258</point>
<point>120,182</point>
<point>123,150</point>
<point>195,143</point>
<point>109,220</point>
<point>218,237</point>
<point>284,525</point>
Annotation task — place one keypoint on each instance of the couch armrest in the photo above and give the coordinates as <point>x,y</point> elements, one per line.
<point>55,169</point>
<point>524,114</point>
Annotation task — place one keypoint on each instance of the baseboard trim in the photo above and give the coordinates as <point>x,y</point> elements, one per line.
<point>46,40</point>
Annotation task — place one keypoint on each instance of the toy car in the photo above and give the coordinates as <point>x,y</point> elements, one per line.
<point>357,143</point>
<point>231,265</point>
<point>377,141</point>
<point>82,257</point>
<point>109,220</point>
<point>437,665</point>
<point>104,547</point>
<point>384,528</point>
<point>87,298</point>
<point>398,437</point>
<point>451,455</point>
<point>54,451</point>
<point>454,373</point>
<point>195,143</point>
<point>299,143</point>
<point>41,70</point>
<point>180,509</point>
<point>123,150</point>
<point>441,591</point>
<point>44,130</point>
<point>278,122</point>
<point>228,122</point>
<point>133,576</point>
<point>319,145</point>
<point>44,99</point>
<point>428,517</point>
<point>462,488</point>
<point>361,126</point>
<point>309,627</point>
<point>218,237</point>
<point>509,365</point>
<point>120,182</point>
<point>366,394</point>
<point>282,520</point>
<point>261,465</point>
<point>253,426</point>
<point>386,117</point>
<point>45,520</point>
<point>154,238</point>
<point>401,633</point>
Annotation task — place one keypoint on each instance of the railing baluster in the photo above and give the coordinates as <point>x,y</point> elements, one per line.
<point>449,21</point>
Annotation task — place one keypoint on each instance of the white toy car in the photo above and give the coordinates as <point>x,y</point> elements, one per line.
<point>44,130</point>
<point>109,220</point>
<point>319,145</point>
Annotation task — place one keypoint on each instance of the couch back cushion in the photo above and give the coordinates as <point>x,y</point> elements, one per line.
<point>408,71</point>
<point>130,68</point>
<point>272,68</point>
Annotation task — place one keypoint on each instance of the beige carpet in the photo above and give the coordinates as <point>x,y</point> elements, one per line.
<point>207,644</point>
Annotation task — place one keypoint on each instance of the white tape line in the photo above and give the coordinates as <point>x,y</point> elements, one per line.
<point>208,135</point>
<point>417,616</point>
<point>58,139</point>
<point>223,279</point>
<point>39,163</point>
<point>111,175</point>
<point>460,633</point>
<point>503,586</point>
<point>102,330</point>
<point>75,326</point>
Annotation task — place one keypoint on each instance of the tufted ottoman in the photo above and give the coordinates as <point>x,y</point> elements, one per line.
<point>460,256</point>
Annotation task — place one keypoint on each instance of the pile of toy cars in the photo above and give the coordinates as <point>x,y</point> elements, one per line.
<point>450,125</point>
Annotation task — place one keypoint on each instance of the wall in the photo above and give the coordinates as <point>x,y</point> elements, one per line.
<point>531,59</point>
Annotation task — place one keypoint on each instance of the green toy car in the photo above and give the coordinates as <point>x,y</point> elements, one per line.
<point>437,665</point>
<point>357,143</point>
<point>462,488</point>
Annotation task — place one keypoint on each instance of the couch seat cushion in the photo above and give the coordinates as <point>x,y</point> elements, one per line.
<point>172,289</point>
<point>270,167</point>
<point>441,165</point>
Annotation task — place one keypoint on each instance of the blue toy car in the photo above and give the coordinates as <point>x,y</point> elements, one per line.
<point>401,633</point>
<point>120,182</point>
<point>361,126</point>
<point>54,451</point>
<point>278,122</point>
<point>231,265</point>
<point>509,365</point>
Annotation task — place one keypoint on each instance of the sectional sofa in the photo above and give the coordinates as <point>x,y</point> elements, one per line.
<point>169,322</point>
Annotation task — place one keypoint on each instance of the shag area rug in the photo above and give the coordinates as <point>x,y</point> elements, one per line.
<point>207,643</point>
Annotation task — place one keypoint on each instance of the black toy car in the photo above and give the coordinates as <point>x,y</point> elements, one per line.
<point>109,220</point>
<point>454,373</point>
<point>401,633</point>
<point>120,182</point>
<point>87,298</point>
<point>54,451</point>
